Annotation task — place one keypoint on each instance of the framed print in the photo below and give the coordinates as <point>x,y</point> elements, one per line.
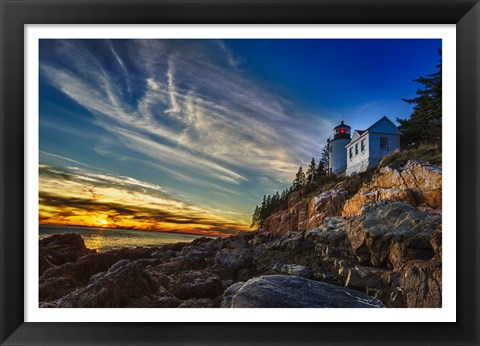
<point>239,172</point>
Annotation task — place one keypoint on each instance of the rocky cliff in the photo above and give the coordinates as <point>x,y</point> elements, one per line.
<point>370,241</point>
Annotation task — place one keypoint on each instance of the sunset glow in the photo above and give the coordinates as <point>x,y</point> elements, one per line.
<point>79,198</point>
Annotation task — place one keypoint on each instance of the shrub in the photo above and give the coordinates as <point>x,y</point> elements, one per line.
<point>431,153</point>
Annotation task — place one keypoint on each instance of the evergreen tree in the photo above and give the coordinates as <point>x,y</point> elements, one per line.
<point>275,201</point>
<point>425,123</point>
<point>311,171</point>
<point>269,207</point>
<point>299,179</point>
<point>324,161</point>
<point>263,210</point>
<point>255,217</point>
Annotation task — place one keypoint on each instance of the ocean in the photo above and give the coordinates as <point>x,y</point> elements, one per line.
<point>105,239</point>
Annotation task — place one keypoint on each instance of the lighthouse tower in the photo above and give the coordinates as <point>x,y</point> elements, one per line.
<point>337,153</point>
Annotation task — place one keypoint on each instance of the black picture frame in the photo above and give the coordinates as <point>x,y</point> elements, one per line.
<point>17,13</point>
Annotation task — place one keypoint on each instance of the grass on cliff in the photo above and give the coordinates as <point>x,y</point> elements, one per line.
<point>424,152</point>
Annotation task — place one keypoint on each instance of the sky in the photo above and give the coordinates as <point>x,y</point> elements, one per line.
<point>188,135</point>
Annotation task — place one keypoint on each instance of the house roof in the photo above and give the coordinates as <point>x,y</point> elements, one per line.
<point>379,120</point>
<point>364,132</point>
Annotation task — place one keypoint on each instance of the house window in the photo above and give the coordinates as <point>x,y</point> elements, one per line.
<point>363,145</point>
<point>356,149</point>
<point>383,142</point>
<point>351,152</point>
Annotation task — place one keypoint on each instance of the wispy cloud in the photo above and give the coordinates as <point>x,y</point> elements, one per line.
<point>232,60</point>
<point>75,196</point>
<point>186,116</point>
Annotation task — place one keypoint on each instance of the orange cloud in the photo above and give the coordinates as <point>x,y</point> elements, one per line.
<point>76,197</point>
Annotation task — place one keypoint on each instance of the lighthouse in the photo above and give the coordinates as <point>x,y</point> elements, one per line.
<point>337,155</point>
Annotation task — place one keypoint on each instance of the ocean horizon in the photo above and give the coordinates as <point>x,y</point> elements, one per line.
<point>105,239</point>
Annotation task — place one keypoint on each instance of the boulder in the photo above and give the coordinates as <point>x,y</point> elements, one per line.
<point>61,280</point>
<point>167,268</point>
<point>229,293</point>
<point>239,240</point>
<point>286,291</point>
<point>361,277</point>
<point>193,257</point>
<point>391,234</point>
<point>293,269</point>
<point>421,284</point>
<point>196,284</point>
<point>44,264</point>
<point>123,282</point>
<point>235,258</point>
<point>132,254</point>
<point>61,248</point>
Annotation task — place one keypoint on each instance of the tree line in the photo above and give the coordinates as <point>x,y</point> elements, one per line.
<point>271,204</point>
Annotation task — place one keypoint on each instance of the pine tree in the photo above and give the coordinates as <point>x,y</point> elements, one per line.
<point>299,179</point>
<point>311,171</point>
<point>263,211</point>
<point>425,123</point>
<point>269,207</point>
<point>275,201</point>
<point>324,161</point>
<point>255,217</point>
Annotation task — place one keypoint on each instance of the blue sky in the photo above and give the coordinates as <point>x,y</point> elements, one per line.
<point>204,127</point>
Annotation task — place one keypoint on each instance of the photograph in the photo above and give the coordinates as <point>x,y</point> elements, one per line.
<point>240,173</point>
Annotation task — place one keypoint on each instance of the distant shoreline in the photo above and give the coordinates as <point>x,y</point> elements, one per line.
<point>129,229</point>
<point>106,239</point>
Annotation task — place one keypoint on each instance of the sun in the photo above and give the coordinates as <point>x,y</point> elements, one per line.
<point>104,222</point>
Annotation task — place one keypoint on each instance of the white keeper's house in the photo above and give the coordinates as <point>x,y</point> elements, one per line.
<point>364,149</point>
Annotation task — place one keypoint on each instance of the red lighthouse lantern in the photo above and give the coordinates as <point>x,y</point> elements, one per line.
<point>342,131</point>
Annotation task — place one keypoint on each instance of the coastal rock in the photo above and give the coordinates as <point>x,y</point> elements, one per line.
<point>293,269</point>
<point>436,241</point>
<point>286,291</point>
<point>418,184</point>
<point>61,248</point>
<point>44,264</point>
<point>132,254</point>
<point>235,258</point>
<point>293,219</point>
<point>196,284</point>
<point>279,223</point>
<point>239,240</point>
<point>59,281</point>
<point>229,293</point>
<point>391,234</point>
<point>421,284</point>
<point>293,199</point>
<point>167,268</point>
<point>193,257</point>
<point>327,203</point>
<point>123,282</point>
<point>361,277</point>
<point>200,303</point>
<point>163,301</point>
